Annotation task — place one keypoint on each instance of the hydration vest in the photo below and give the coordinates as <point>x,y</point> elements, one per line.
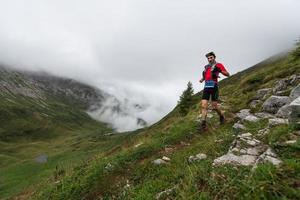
<point>214,71</point>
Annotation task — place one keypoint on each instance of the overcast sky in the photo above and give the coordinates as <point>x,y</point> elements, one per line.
<point>148,49</point>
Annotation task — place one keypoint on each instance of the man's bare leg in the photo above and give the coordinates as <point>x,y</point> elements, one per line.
<point>218,110</point>
<point>204,106</point>
<point>216,107</point>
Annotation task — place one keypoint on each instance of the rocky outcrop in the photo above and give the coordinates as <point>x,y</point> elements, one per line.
<point>282,85</point>
<point>247,151</point>
<point>274,103</point>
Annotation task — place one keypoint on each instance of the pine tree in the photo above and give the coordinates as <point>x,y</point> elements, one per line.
<point>186,99</point>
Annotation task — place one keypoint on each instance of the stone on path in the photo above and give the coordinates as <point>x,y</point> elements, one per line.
<point>199,156</point>
<point>238,126</point>
<point>159,161</point>
<point>278,121</point>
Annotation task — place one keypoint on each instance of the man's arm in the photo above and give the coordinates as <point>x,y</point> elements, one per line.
<point>225,73</point>
<point>223,70</point>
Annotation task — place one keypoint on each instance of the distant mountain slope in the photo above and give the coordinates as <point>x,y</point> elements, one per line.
<point>31,94</point>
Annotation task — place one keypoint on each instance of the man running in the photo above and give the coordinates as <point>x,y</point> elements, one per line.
<point>211,88</point>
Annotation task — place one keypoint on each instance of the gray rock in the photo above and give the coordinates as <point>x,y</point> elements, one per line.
<point>262,93</point>
<point>284,111</point>
<point>243,151</point>
<point>239,126</point>
<point>109,166</point>
<point>263,132</point>
<point>293,79</point>
<point>254,103</point>
<point>280,85</point>
<point>274,161</point>
<point>278,121</point>
<point>243,113</point>
<point>246,135</point>
<point>230,158</point>
<point>269,156</point>
<point>253,151</point>
<point>294,116</point>
<point>264,115</point>
<point>269,152</point>
<point>199,156</point>
<point>43,158</point>
<point>165,158</point>
<point>295,93</point>
<point>252,142</point>
<point>282,93</point>
<point>274,103</point>
<point>109,134</point>
<point>291,142</point>
<point>251,118</point>
<point>159,161</point>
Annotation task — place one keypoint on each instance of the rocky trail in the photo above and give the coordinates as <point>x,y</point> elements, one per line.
<point>249,149</point>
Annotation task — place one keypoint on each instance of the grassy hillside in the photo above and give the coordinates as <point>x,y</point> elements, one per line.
<point>127,171</point>
<point>35,123</point>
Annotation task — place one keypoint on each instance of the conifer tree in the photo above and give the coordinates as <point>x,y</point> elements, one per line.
<point>186,99</point>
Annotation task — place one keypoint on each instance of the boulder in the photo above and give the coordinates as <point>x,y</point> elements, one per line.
<point>294,116</point>
<point>280,85</point>
<point>295,93</point>
<point>284,111</point>
<point>262,93</point>
<point>293,79</point>
<point>274,103</point>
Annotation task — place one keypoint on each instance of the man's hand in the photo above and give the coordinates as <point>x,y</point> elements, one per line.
<point>201,80</point>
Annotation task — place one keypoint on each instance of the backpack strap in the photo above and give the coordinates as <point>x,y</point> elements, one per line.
<point>205,69</point>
